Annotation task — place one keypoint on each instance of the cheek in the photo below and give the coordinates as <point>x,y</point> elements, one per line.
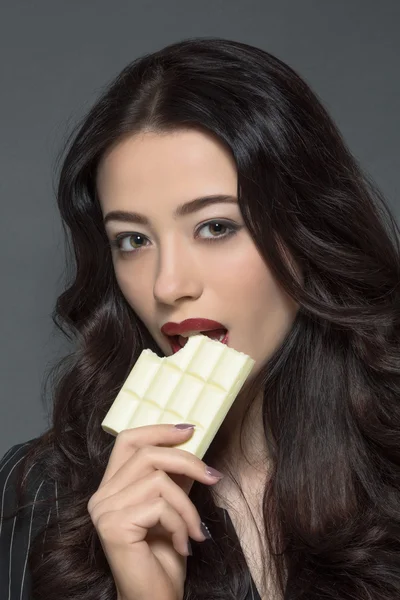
<point>261,305</point>
<point>133,288</point>
<point>242,273</point>
<point>256,282</point>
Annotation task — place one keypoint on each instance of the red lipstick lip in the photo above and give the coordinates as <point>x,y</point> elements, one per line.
<point>196,324</point>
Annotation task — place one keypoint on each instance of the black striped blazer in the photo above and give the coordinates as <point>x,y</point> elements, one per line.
<point>16,534</point>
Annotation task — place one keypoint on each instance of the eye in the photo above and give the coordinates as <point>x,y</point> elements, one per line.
<point>218,229</point>
<point>133,242</point>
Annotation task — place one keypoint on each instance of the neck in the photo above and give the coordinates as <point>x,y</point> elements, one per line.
<point>252,456</point>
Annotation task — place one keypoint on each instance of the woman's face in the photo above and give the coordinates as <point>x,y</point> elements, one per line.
<point>199,264</point>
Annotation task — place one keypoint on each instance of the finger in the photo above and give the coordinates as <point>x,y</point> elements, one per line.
<point>130,525</point>
<point>183,481</point>
<point>157,484</point>
<point>151,458</point>
<point>128,441</point>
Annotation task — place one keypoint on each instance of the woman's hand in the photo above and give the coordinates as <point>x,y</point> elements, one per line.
<point>143,516</point>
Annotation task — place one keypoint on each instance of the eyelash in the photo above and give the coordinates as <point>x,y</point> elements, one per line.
<point>233,229</point>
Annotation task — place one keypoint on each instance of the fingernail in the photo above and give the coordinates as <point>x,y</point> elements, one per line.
<point>189,546</point>
<point>213,473</point>
<point>183,426</point>
<point>205,531</point>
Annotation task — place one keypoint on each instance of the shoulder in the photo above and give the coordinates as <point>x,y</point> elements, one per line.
<point>17,531</point>
<point>9,469</point>
<point>34,480</point>
<point>12,458</point>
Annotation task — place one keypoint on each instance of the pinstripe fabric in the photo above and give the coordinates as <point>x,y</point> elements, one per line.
<point>17,534</point>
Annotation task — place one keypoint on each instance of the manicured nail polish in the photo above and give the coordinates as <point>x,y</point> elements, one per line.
<point>214,473</point>
<point>184,426</point>
<point>205,531</point>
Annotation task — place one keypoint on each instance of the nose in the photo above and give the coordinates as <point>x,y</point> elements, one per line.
<point>177,276</point>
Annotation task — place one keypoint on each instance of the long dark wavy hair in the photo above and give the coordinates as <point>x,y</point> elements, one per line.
<point>331,409</point>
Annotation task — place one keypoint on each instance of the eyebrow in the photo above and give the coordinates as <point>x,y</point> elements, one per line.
<point>182,210</point>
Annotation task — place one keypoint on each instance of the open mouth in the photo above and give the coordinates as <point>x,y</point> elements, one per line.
<point>179,341</point>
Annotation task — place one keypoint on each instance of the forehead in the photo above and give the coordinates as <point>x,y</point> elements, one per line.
<point>184,163</point>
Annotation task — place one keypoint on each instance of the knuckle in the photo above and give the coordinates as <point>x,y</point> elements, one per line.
<point>106,523</point>
<point>160,477</point>
<point>191,457</point>
<point>95,515</point>
<point>91,504</point>
<point>143,453</point>
<point>96,509</point>
<point>124,437</point>
<point>160,503</point>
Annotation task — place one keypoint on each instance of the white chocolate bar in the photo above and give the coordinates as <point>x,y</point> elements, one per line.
<point>198,385</point>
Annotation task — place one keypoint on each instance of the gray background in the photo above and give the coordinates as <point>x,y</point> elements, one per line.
<point>55,58</point>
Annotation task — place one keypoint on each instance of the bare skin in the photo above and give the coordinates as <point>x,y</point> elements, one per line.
<point>143,516</point>
<point>169,269</point>
<point>246,513</point>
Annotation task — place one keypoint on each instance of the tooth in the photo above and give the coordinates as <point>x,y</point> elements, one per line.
<point>190,334</point>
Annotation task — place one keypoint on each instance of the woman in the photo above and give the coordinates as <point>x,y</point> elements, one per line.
<point>295,253</point>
